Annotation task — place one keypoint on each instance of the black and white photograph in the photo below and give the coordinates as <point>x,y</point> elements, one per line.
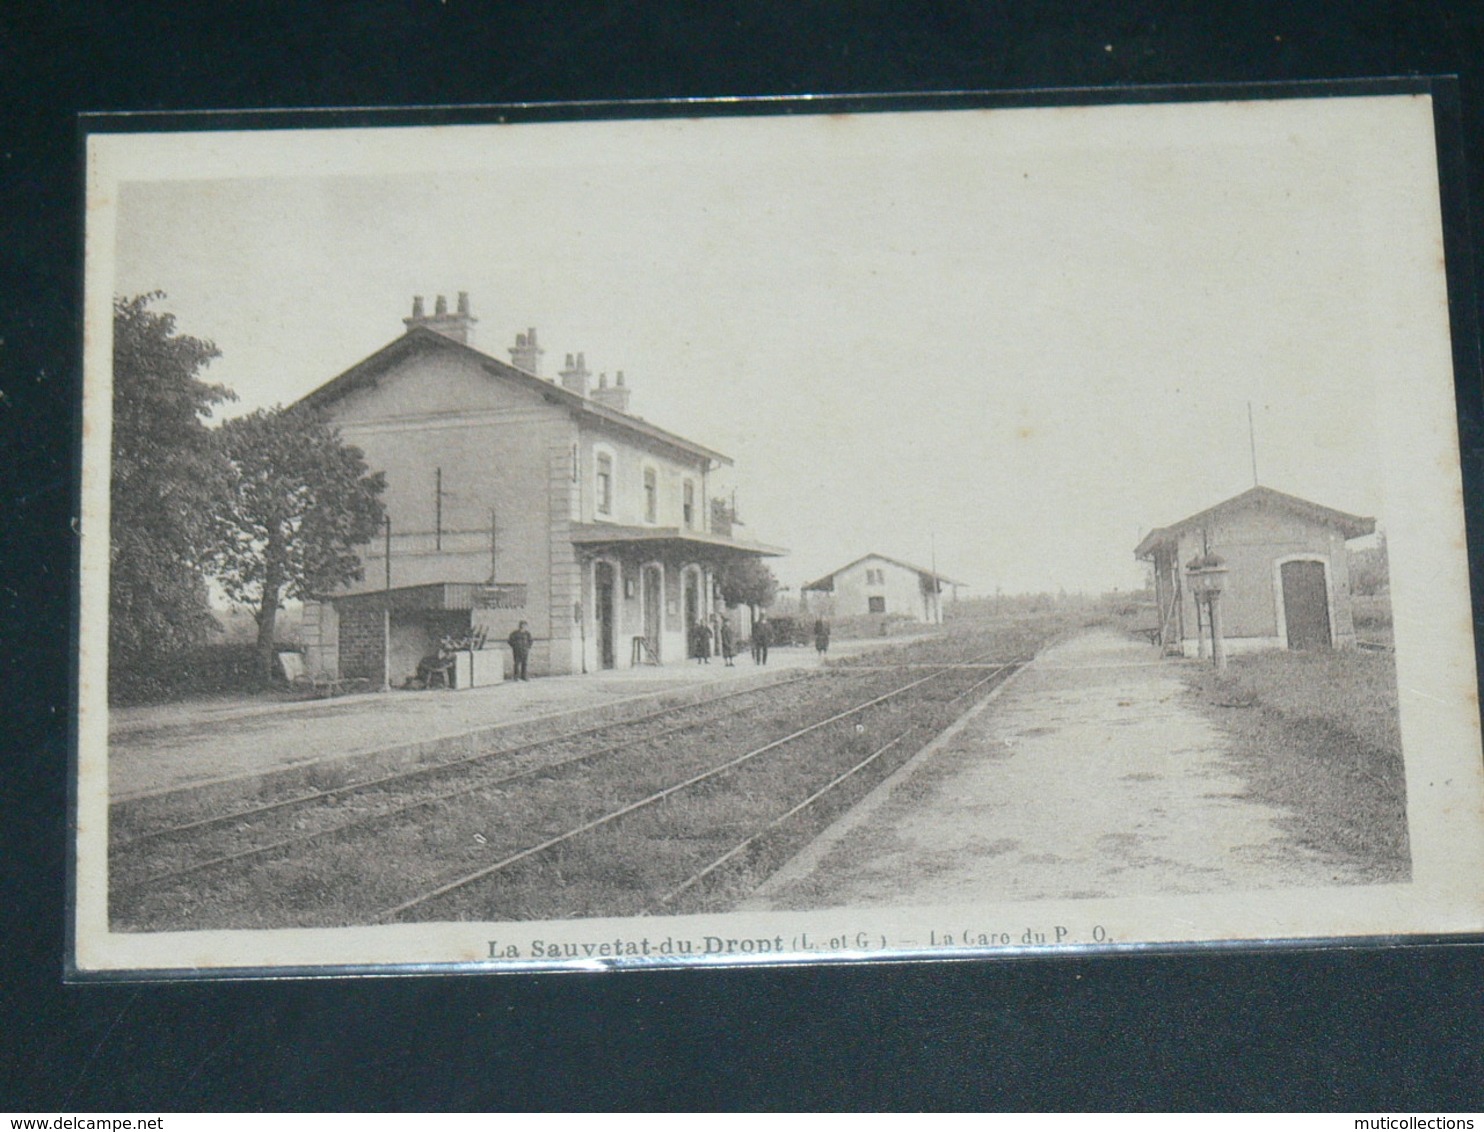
<point>927,530</point>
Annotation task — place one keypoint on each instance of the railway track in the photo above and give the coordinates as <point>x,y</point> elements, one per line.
<point>242,834</point>
<point>657,814</point>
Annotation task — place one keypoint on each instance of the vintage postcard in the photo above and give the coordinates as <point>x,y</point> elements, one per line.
<point>948,529</point>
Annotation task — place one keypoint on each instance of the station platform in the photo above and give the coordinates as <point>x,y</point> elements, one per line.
<point>162,748</point>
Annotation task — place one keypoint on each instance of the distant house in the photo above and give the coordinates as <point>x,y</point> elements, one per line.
<point>1288,581</point>
<point>514,497</point>
<point>881,585</point>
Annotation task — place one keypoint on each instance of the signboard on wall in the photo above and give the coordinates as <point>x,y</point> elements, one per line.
<point>501,595</point>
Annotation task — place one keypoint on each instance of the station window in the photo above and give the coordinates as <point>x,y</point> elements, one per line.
<point>875,577</point>
<point>688,505</point>
<point>876,604</point>
<point>605,484</point>
<point>651,496</point>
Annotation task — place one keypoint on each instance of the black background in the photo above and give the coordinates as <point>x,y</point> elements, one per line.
<point>1397,1029</point>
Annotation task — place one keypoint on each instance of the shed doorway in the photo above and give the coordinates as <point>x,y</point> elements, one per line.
<point>1306,605</point>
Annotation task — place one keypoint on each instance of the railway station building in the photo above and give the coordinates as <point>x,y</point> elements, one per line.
<point>876,584</point>
<point>515,497</point>
<point>1288,577</point>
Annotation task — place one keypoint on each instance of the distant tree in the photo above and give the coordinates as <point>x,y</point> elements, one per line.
<point>1370,569</point>
<point>298,502</point>
<point>747,581</point>
<point>722,518</point>
<point>164,477</point>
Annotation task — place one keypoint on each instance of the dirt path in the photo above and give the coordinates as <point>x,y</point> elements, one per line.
<point>1090,775</point>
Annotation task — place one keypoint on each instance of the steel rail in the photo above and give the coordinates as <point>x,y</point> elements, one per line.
<point>452,765</point>
<point>643,803</point>
<point>839,779</point>
<point>408,807</point>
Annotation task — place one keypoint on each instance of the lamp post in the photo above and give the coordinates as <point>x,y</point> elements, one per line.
<point>1207,574</point>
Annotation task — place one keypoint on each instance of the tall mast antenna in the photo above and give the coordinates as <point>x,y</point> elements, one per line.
<point>1252,442</point>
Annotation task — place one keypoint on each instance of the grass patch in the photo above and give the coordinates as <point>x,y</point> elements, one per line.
<point>1316,735</point>
<point>1372,615</point>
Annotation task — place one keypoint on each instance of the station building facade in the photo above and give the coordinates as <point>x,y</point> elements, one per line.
<point>876,584</point>
<point>513,497</point>
<point>1288,573</point>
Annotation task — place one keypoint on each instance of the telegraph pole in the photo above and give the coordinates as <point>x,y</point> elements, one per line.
<point>937,589</point>
<point>386,614</point>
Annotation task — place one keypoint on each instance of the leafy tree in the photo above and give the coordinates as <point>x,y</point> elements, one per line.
<point>1370,569</point>
<point>747,581</point>
<point>298,503</point>
<point>165,472</point>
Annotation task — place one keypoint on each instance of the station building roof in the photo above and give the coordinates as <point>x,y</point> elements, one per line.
<point>421,339</point>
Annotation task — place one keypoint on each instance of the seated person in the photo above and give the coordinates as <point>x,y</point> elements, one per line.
<point>435,667</point>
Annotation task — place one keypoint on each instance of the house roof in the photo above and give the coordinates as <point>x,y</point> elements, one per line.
<point>1351,526</point>
<point>369,371</point>
<point>612,534</point>
<point>827,583</point>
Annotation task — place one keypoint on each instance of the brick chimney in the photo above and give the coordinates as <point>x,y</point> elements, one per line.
<point>575,375</point>
<point>614,396</point>
<point>459,327</point>
<point>525,354</point>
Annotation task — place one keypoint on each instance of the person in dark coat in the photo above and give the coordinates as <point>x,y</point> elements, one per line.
<point>728,646</point>
<point>762,633</point>
<point>520,648</point>
<point>700,642</point>
<point>821,635</point>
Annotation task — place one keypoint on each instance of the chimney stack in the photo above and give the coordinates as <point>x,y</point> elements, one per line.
<point>575,375</point>
<point>615,396</point>
<point>526,354</point>
<point>459,327</point>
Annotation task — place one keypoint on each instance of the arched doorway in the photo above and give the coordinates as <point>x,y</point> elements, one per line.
<point>690,581</point>
<point>603,587</point>
<point>654,596</point>
<point>1306,604</point>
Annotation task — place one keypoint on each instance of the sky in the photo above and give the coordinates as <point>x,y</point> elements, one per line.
<point>1010,341</point>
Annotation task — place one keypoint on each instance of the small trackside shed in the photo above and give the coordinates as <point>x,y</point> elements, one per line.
<point>1288,584</point>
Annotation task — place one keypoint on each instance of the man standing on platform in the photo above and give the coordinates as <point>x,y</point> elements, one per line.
<point>520,648</point>
<point>761,632</point>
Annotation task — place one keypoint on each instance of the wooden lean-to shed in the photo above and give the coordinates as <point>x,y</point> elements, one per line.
<point>1288,581</point>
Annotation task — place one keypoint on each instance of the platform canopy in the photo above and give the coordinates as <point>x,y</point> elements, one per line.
<point>675,539</point>
<point>439,596</point>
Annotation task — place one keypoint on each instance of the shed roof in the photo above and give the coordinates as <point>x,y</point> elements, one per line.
<point>1351,526</point>
<point>826,584</point>
<point>419,339</point>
